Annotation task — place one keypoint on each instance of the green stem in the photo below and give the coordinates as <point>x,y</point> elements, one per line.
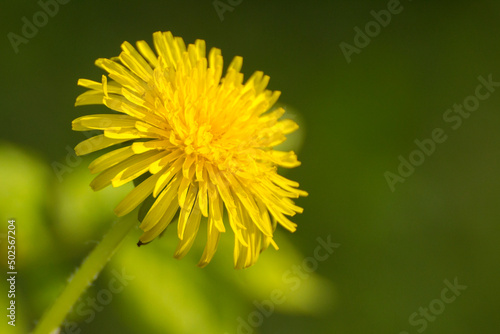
<point>85,275</point>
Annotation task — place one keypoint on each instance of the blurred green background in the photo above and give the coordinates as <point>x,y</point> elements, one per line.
<point>397,248</point>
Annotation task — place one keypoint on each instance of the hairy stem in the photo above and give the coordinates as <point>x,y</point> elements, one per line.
<point>84,276</point>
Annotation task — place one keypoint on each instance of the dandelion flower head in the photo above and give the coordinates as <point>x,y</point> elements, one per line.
<point>205,143</point>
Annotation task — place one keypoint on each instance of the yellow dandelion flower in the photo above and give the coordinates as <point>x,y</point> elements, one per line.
<point>206,141</point>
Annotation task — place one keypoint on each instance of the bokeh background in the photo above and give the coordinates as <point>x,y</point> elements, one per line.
<point>396,248</point>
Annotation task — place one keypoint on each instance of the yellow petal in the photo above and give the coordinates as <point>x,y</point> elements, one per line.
<point>136,196</point>
<point>161,204</point>
<point>146,51</point>
<point>121,75</point>
<point>144,146</point>
<point>104,178</point>
<point>172,156</point>
<point>191,230</point>
<point>110,159</point>
<point>134,61</point>
<point>89,97</point>
<point>101,122</point>
<point>186,211</point>
<point>137,169</point>
<point>113,87</point>
<point>215,207</point>
<point>96,143</point>
<point>213,235</point>
<point>160,226</point>
<point>166,176</point>
<point>203,197</point>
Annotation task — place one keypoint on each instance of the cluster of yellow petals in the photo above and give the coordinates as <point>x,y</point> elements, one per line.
<point>206,141</point>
